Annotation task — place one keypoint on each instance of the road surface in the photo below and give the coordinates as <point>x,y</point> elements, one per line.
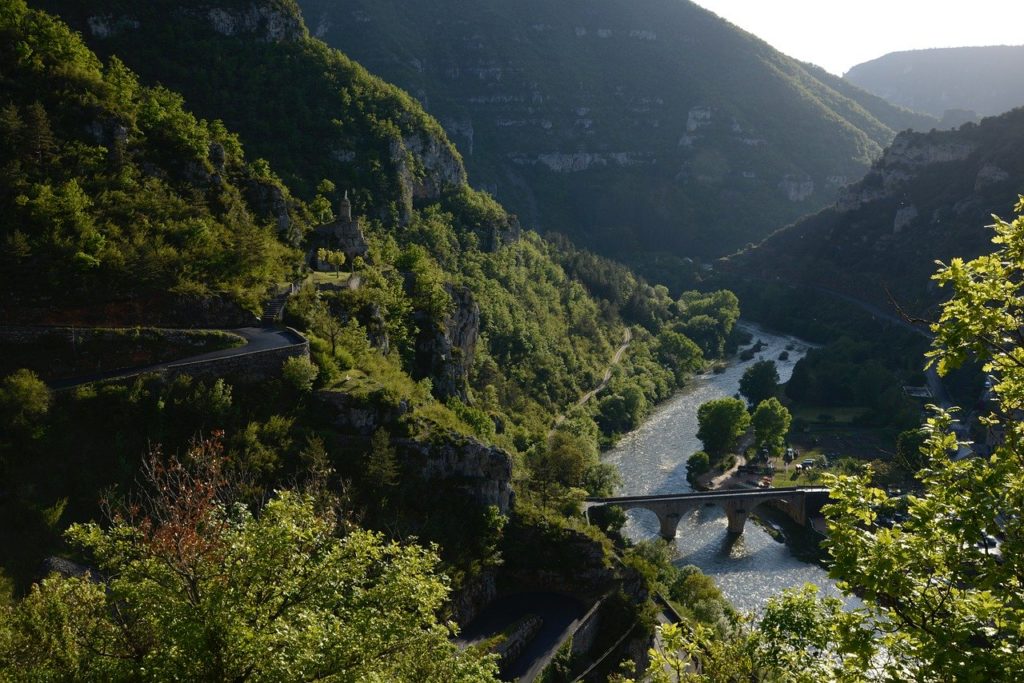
<point>256,338</point>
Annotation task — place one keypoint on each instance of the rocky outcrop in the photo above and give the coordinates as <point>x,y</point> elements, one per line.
<point>477,592</point>
<point>902,163</point>
<point>445,353</point>
<point>268,202</point>
<point>361,415</point>
<point>268,21</point>
<point>989,174</point>
<point>905,215</point>
<point>442,166</point>
<point>797,189</point>
<point>913,150</point>
<point>425,166</point>
<point>108,26</point>
<point>482,472</point>
<point>66,569</point>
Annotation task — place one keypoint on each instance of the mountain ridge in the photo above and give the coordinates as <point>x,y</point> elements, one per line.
<point>923,201</point>
<point>949,82</point>
<point>652,128</point>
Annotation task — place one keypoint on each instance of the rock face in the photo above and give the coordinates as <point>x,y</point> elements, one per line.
<point>268,202</point>
<point>901,164</point>
<point>926,199</point>
<point>361,415</point>
<point>426,166</point>
<point>484,473</point>
<point>267,21</point>
<point>445,353</point>
<point>564,114</point>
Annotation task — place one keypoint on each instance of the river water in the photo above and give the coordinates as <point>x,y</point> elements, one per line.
<point>652,459</point>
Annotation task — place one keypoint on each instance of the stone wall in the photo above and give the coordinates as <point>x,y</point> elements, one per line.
<point>586,632</point>
<point>255,366</point>
<point>243,367</point>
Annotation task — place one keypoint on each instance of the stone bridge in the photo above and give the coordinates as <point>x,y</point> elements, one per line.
<point>800,503</point>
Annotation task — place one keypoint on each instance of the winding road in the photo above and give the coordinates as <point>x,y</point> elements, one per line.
<point>627,337</point>
<point>257,339</point>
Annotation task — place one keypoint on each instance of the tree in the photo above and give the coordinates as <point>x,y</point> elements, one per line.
<point>771,422</point>
<point>759,382</point>
<point>321,204</point>
<point>800,638</point>
<point>299,373</point>
<point>696,465</point>
<point>679,353</point>
<point>946,604</point>
<point>381,463</point>
<point>24,398</point>
<point>196,588</point>
<point>720,423</point>
<point>908,451</point>
<point>332,257</point>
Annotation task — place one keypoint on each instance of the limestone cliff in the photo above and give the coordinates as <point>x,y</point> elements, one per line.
<point>445,353</point>
<point>481,472</point>
<point>343,123</point>
<point>927,198</point>
<point>564,111</point>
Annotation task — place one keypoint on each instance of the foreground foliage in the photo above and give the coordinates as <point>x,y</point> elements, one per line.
<point>189,586</point>
<point>942,596</point>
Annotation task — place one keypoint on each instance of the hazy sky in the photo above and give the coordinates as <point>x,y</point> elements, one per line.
<point>838,34</point>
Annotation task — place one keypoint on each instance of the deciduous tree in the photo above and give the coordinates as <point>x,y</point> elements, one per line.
<point>771,423</point>
<point>721,422</point>
<point>191,587</point>
<point>946,603</point>
<point>760,382</point>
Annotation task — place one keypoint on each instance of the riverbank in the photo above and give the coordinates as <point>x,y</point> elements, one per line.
<point>751,567</point>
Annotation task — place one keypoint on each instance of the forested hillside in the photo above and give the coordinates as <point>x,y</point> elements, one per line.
<point>111,190</point>
<point>635,128</point>
<point>926,199</point>
<point>984,81</point>
<point>438,360</point>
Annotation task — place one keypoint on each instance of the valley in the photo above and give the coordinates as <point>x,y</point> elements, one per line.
<point>330,332</point>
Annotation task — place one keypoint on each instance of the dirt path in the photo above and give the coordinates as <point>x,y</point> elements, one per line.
<point>627,337</point>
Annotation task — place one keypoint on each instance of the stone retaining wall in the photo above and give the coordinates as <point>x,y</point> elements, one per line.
<point>255,366</point>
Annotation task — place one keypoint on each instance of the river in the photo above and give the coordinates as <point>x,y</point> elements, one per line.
<point>652,459</point>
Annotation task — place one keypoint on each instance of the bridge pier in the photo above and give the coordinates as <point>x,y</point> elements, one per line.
<point>736,513</point>
<point>668,522</point>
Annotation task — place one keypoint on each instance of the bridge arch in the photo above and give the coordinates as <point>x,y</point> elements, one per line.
<point>737,504</point>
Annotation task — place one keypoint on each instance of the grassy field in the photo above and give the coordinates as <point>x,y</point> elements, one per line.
<point>322,278</point>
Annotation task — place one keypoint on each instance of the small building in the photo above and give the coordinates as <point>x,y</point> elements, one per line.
<point>341,234</point>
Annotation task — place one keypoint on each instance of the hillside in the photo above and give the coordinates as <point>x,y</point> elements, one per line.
<point>983,80</point>
<point>437,360</point>
<point>113,191</point>
<point>924,200</point>
<point>633,127</point>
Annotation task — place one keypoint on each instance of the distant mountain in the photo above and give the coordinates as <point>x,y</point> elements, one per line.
<point>308,109</point>
<point>650,126</point>
<point>947,82</point>
<point>928,198</point>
